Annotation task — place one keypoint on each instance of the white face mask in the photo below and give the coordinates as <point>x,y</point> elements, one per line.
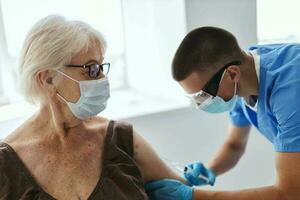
<point>93,97</point>
<point>218,105</point>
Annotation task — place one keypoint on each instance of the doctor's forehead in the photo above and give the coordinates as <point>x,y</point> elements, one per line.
<point>193,83</point>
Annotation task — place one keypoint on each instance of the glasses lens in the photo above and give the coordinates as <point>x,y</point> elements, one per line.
<point>200,97</point>
<point>94,70</point>
<point>105,68</point>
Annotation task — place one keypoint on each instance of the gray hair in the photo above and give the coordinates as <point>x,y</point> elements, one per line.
<point>50,44</point>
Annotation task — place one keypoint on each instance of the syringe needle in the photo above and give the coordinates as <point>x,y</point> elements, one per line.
<point>183,169</point>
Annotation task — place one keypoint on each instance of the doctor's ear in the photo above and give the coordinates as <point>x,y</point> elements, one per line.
<point>234,73</point>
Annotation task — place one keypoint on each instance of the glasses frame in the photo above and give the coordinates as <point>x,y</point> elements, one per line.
<point>90,65</point>
<point>210,89</point>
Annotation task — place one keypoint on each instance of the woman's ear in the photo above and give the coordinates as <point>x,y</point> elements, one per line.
<point>49,80</point>
<point>41,77</point>
<point>45,81</point>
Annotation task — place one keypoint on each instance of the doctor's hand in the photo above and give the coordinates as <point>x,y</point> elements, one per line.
<point>197,174</point>
<point>168,189</point>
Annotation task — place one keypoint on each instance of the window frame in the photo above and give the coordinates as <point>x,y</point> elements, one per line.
<point>4,56</point>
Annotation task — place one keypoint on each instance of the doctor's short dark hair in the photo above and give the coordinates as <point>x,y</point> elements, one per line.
<point>204,49</point>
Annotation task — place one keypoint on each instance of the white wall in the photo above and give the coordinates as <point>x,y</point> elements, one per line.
<point>153,30</point>
<point>236,16</point>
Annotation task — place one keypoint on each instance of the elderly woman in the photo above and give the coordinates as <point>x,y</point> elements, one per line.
<point>65,151</point>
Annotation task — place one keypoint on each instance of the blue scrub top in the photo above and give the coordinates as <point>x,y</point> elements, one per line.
<point>278,106</point>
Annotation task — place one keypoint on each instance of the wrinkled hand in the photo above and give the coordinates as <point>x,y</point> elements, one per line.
<point>168,189</point>
<point>196,169</point>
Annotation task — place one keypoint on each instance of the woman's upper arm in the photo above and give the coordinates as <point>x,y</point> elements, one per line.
<point>151,165</point>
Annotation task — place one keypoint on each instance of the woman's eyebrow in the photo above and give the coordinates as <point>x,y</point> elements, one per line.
<point>95,61</point>
<point>92,61</point>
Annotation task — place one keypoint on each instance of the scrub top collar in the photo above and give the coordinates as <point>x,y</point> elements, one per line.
<point>256,59</point>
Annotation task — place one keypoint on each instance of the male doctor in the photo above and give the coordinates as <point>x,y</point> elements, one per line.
<point>260,87</point>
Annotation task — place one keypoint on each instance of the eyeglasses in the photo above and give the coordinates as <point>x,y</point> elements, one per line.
<point>212,86</point>
<point>94,69</point>
<point>210,89</point>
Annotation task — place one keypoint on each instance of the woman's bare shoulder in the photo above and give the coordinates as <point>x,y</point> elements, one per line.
<point>18,135</point>
<point>148,159</point>
<point>12,137</point>
<point>98,122</point>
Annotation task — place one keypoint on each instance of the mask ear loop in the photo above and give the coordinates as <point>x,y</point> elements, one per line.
<point>69,78</point>
<point>62,98</point>
<point>235,88</point>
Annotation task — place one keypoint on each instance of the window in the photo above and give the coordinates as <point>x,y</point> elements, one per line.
<point>278,21</point>
<point>17,17</point>
<point>142,37</point>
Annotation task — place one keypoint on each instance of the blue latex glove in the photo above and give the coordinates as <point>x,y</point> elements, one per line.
<point>192,172</point>
<point>168,189</point>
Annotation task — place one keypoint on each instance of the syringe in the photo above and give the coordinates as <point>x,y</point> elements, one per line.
<point>185,169</point>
